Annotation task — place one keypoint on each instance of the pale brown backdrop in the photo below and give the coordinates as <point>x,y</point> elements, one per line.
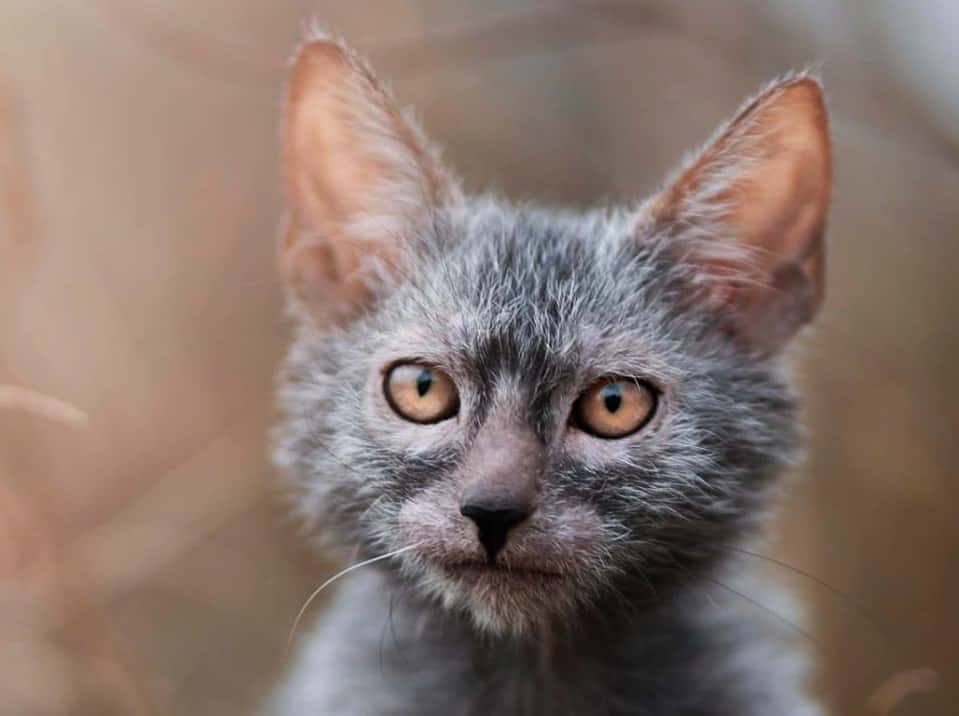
<point>143,566</point>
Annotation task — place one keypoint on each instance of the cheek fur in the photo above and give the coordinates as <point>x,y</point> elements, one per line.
<point>432,519</point>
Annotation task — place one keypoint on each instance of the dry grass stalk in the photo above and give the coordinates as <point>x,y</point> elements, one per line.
<point>41,582</point>
<point>901,685</point>
<point>43,588</point>
<point>159,526</point>
<point>62,590</point>
<point>45,406</point>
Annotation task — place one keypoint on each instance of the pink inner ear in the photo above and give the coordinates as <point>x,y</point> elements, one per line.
<point>358,174</point>
<point>330,169</point>
<point>778,204</point>
<point>758,197</point>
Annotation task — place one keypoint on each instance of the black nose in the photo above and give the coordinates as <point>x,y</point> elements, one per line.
<point>493,524</point>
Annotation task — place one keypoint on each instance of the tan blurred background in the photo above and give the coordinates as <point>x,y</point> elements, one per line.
<point>144,568</point>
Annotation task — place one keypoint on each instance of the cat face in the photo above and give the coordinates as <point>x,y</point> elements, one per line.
<point>540,412</point>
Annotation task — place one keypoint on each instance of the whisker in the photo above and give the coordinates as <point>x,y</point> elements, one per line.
<point>388,626</point>
<point>339,461</point>
<point>852,603</point>
<point>383,639</point>
<point>925,674</point>
<point>342,573</point>
<point>396,643</point>
<point>772,612</point>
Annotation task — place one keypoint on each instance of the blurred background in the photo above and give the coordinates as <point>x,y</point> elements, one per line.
<point>144,565</point>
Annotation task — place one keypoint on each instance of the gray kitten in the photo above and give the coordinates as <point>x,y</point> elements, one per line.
<point>553,429</point>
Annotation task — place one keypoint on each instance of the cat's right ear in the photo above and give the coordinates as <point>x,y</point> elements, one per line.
<point>359,175</point>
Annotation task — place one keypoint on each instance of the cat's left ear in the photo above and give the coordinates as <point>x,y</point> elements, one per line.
<point>359,175</point>
<point>747,214</point>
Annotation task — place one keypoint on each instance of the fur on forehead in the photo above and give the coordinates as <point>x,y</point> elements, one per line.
<point>544,287</point>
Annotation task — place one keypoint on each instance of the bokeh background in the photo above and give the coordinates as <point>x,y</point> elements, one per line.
<point>144,565</point>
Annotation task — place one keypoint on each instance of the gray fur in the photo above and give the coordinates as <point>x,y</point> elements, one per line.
<point>524,308</point>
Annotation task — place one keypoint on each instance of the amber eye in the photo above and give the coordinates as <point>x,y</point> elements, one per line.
<point>421,393</point>
<point>615,407</point>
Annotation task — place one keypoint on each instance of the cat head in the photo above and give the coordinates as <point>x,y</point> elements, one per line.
<point>541,411</point>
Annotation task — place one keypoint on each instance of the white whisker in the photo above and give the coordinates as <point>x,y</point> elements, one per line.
<point>341,573</point>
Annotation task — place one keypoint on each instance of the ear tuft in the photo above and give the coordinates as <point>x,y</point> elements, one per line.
<point>748,213</point>
<point>359,175</point>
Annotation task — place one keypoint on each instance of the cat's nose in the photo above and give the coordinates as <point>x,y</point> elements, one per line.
<point>500,485</point>
<point>494,519</point>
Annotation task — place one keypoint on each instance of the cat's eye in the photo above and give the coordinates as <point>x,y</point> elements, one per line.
<point>615,407</point>
<point>421,393</point>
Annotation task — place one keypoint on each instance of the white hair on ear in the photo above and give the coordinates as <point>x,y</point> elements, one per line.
<point>360,174</point>
<point>390,139</point>
<point>751,203</point>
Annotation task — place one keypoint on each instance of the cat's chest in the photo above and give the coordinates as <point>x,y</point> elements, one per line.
<point>610,674</point>
<point>371,655</point>
<point>522,691</point>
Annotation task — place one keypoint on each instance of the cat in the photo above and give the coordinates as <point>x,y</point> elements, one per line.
<point>550,433</point>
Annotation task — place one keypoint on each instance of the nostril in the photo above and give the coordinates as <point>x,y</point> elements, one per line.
<point>493,524</point>
<point>484,516</point>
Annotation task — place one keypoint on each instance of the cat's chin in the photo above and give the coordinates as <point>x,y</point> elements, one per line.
<point>500,600</point>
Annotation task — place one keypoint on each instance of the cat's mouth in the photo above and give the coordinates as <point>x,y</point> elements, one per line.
<point>475,568</point>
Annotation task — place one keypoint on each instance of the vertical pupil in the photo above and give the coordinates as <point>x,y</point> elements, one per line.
<point>613,397</point>
<point>423,382</point>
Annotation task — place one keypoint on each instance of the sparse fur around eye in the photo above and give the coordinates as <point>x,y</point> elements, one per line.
<point>518,565</point>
